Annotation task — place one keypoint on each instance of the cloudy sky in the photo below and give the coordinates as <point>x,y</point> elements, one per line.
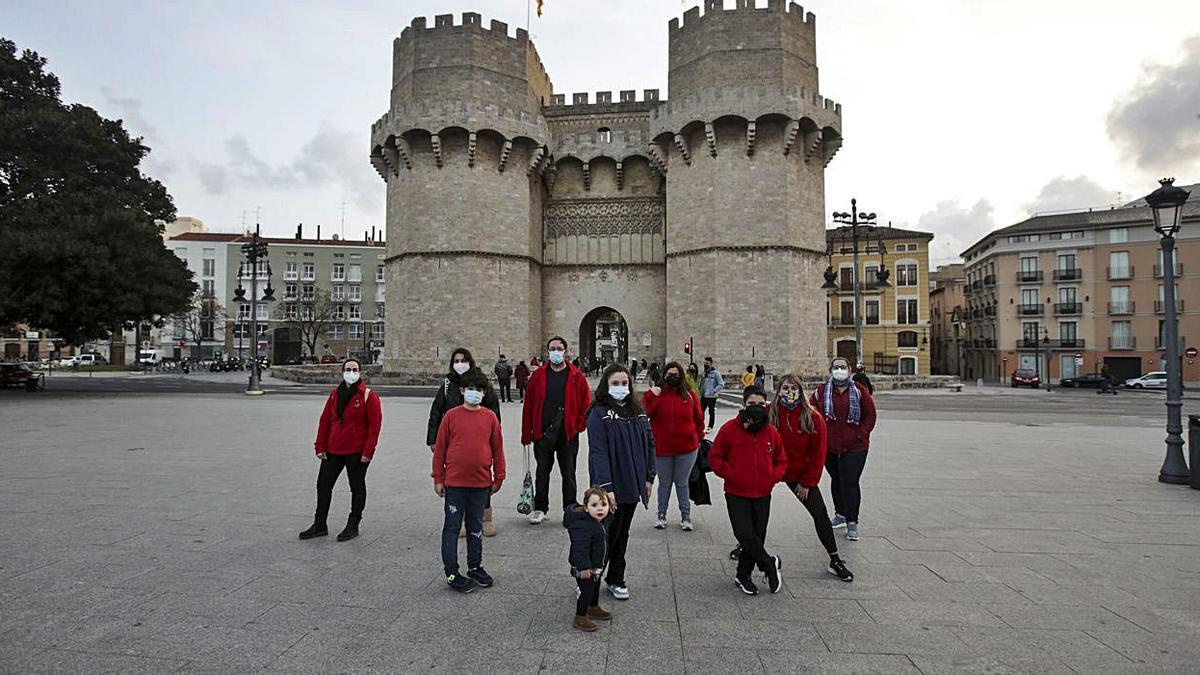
<point>960,115</point>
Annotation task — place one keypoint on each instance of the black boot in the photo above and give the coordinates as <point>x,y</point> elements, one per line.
<point>351,530</point>
<point>318,529</point>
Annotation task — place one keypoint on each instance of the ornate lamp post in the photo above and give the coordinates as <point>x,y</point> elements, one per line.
<point>862,229</point>
<point>1166,203</point>
<point>255,250</point>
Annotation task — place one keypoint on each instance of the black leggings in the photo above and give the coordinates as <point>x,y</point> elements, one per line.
<point>748,518</point>
<point>816,508</point>
<point>356,473</point>
<point>589,594</point>
<point>844,471</point>
<point>618,540</point>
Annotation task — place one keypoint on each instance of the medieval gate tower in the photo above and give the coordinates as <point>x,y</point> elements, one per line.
<point>627,226</point>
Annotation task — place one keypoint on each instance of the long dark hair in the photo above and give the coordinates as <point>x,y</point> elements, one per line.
<point>682,387</point>
<point>601,399</point>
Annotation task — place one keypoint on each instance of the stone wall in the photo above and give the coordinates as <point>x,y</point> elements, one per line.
<point>637,292</point>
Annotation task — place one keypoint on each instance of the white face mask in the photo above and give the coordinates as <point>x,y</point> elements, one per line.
<point>841,374</point>
<point>350,376</point>
<point>473,397</point>
<point>461,367</point>
<point>618,391</point>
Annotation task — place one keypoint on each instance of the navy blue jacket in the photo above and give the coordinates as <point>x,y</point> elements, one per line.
<point>589,538</point>
<point>620,454</point>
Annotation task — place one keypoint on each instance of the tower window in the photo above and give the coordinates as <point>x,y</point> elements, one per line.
<point>605,134</point>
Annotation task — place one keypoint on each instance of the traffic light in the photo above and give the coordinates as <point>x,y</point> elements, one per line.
<point>687,347</point>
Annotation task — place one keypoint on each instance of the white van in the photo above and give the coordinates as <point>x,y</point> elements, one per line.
<point>148,357</point>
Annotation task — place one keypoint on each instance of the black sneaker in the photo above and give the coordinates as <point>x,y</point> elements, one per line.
<point>460,583</point>
<point>481,577</point>
<point>775,575</point>
<point>746,585</point>
<point>318,529</point>
<point>736,552</point>
<point>838,569</point>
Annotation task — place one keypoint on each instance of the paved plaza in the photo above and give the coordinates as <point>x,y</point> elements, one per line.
<point>1003,532</point>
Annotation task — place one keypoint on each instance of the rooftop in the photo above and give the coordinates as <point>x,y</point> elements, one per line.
<point>233,238</point>
<point>884,231</point>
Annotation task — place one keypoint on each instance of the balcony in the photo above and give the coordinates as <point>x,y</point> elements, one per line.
<point>989,281</point>
<point>1158,270</point>
<point>1121,307</point>
<point>1122,342</point>
<point>1115,273</point>
<point>1068,308</point>
<point>1029,310</point>
<point>291,275</point>
<point>990,310</point>
<point>1068,274</point>
<point>1160,307</point>
<point>976,285</point>
<point>1027,344</point>
<point>1161,344</point>
<point>843,321</point>
<point>1029,277</point>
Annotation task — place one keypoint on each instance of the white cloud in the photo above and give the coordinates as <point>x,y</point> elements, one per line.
<point>1158,122</point>
<point>956,227</point>
<point>1063,193</point>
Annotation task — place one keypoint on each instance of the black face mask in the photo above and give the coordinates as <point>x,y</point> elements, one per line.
<point>753,416</point>
<point>672,380</point>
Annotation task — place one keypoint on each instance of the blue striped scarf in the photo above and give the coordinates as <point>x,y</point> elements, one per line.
<point>855,404</point>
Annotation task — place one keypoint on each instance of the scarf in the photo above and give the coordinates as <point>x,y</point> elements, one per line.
<point>345,393</point>
<point>855,407</point>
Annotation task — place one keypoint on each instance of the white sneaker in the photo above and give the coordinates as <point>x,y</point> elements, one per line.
<point>536,517</point>
<point>685,525</point>
<point>660,523</point>
<point>619,592</point>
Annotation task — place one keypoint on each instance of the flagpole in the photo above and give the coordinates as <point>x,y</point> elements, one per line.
<point>528,3</point>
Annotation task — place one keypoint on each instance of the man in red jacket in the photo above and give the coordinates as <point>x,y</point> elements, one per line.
<point>748,453</point>
<point>553,415</point>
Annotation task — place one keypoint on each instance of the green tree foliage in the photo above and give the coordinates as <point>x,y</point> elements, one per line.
<point>80,253</point>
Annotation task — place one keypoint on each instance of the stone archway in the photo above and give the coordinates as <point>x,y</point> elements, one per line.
<point>603,337</point>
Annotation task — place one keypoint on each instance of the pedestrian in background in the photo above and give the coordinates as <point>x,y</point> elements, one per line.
<point>760,376</point>
<point>652,375</point>
<point>748,377</point>
<point>692,378</point>
<point>849,413</point>
<point>678,426</point>
<point>504,373</point>
<point>347,434</point>
<point>522,379</point>
<point>711,385</point>
<point>860,376</point>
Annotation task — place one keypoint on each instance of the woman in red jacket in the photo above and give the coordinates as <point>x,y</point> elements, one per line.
<point>803,431</point>
<point>748,453</point>
<point>849,413</point>
<point>346,438</point>
<point>678,426</point>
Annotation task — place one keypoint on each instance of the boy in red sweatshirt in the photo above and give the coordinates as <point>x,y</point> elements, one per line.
<point>748,453</point>
<point>468,465</point>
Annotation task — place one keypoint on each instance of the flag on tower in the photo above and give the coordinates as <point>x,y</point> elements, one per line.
<point>539,7</point>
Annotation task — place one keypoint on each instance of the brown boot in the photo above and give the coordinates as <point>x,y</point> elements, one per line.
<point>585,624</point>
<point>598,613</point>
<point>489,528</point>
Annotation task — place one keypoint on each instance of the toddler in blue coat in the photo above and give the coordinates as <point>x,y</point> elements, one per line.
<point>588,527</point>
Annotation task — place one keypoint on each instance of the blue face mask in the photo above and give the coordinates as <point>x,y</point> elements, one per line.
<point>473,397</point>
<point>618,392</point>
<point>557,357</point>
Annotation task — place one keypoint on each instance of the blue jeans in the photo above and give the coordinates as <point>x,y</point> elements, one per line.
<point>470,503</point>
<point>675,471</point>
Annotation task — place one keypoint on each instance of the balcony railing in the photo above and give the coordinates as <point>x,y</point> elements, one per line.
<point>1029,277</point>
<point>1160,343</point>
<point>1160,307</point>
<point>1067,308</point>
<point>846,287</point>
<point>291,275</point>
<point>1068,274</point>
<point>843,320</point>
<point>1122,342</point>
<point>1050,344</point>
<point>990,310</point>
<point>976,285</point>
<point>1158,270</point>
<point>989,281</point>
<point>1120,308</point>
<point>1029,310</point>
<point>1120,272</point>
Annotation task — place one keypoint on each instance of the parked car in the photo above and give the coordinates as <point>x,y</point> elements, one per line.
<point>329,358</point>
<point>15,374</point>
<point>92,359</point>
<point>69,361</point>
<point>1154,380</point>
<point>1026,377</point>
<point>1089,380</point>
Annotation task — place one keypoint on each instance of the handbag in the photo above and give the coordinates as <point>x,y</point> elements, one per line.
<point>553,437</point>
<point>525,501</point>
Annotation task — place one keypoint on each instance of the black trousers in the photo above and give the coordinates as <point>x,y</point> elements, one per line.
<point>521,392</point>
<point>566,468</point>
<point>844,472</point>
<point>618,541</point>
<point>589,594</point>
<point>749,517</point>
<point>816,508</point>
<point>710,405</point>
<point>506,390</point>
<point>356,473</point>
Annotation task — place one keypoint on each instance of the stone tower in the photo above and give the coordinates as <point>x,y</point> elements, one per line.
<point>744,140</point>
<point>462,149</point>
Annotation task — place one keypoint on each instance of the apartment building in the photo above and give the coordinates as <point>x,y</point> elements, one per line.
<point>947,324</point>
<point>895,320</point>
<point>1085,288</point>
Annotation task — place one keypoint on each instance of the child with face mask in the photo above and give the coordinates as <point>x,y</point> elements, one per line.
<point>748,453</point>
<point>849,412</point>
<point>587,526</point>
<point>468,466</point>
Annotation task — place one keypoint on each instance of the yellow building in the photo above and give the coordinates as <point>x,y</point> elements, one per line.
<point>895,320</point>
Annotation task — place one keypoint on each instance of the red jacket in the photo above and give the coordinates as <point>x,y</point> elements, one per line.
<point>577,399</point>
<point>751,464</point>
<point>469,451</point>
<point>805,452</point>
<point>357,431</point>
<point>678,425</point>
<point>843,436</point>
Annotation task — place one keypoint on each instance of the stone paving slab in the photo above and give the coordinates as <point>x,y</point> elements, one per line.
<point>158,534</point>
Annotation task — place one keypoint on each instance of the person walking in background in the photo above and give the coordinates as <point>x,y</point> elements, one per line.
<point>760,376</point>
<point>552,417</point>
<point>711,385</point>
<point>692,378</point>
<point>633,369</point>
<point>748,377</point>
<point>621,461</point>
<point>678,426</point>
<point>504,373</point>
<point>468,467</point>
<point>849,413</point>
<point>748,453</point>
<point>587,527</point>
<point>652,375</point>
<point>448,397</point>
<point>347,434</point>
<point>522,379</point>
<point>860,376</point>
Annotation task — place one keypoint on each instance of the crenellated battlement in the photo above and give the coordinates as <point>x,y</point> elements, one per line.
<point>714,10</point>
<point>469,20</point>
<point>626,96</point>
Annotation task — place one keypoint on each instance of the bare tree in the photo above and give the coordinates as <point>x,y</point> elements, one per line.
<point>310,315</point>
<point>199,322</point>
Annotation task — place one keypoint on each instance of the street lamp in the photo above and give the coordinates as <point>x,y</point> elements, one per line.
<point>862,227</point>
<point>1049,355</point>
<point>254,250</point>
<point>1166,204</point>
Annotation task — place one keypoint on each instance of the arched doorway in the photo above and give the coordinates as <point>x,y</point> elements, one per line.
<point>604,337</point>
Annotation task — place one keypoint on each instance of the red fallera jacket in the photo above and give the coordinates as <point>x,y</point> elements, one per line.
<point>576,400</point>
<point>842,436</point>
<point>469,451</point>
<point>678,425</point>
<point>751,464</point>
<point>805,452</point>
<point>357,431</point>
